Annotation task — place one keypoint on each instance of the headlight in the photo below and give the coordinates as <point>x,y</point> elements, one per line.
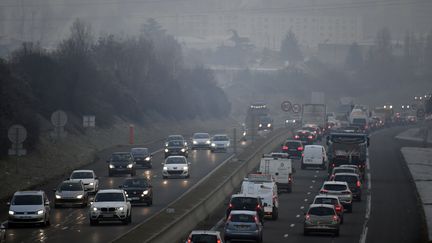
<point>185,143</point>
<point>166,150</point>
<point>185,168</point>
<point>208,142</point>
<point>269,125</point>
<point>92,183</point>
<point>260,125</point>
<point>11,212</point>
<point>79,196</point>
<point>183,150</point>
<point>58,196</point>
<point>244,133</point>
<point>40,212</point>
<point>111,166</point>
<point>95,209</point>
<point>130,166</point>
<point>120,208</point>
<point>166,144</point>
<point>213,145</point>
<point>194,142</point>
<point>165,168</point>
<point>145,192</point>
<point>147,158</point>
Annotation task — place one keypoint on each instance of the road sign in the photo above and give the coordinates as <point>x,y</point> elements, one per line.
<point>296,108</point>
<point>89,121</point>
<point>59,118</point>
<point>17,134</point>
<point>286,106</point>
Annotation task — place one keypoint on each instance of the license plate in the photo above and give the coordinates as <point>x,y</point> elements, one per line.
<point>108,215</point>
<point>135,198</point>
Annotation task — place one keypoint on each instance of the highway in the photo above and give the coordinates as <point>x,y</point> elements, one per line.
<point>72,224</point>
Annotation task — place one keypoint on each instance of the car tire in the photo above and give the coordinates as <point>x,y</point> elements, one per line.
<point>94,222</point>
<point>150,202</point>
<point>342,220</point>
<point>275,214</point>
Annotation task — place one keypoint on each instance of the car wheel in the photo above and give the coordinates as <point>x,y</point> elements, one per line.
<point>150,202</point>
<point>275,214</point>
<point>48,222</point>
<point>94,222</point>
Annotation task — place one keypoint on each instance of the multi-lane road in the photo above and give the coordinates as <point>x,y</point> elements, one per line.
<point>389,211</point>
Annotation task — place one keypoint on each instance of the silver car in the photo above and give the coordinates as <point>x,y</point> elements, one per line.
<point>341,190</point>
<point>220,142</point>
<point>70,193</point>
<point>201,140</point>
<point>321,218</point>
<point>29,207</point>
<point>243,225</point>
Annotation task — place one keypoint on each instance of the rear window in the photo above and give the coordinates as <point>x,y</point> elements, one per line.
<point>244,202</point>
<point>348,179</point>
<point>332,187</point>
<point>321,200</point>
<point>345,170</point>
<point>242,218</point>
<point>204,238</point>
<point>321,211</point>
<point>293,144</point>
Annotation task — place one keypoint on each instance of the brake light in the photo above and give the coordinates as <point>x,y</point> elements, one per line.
<point>218,241</point>
<point>285,148</point>
<point>335,218</point>
<point>189,240</point>
<point>300,149</point>
<point>324,191</point>
<point>338,208</point>
<point>310,137</point>
<point>307,217</point>
<point>256,219</point>
<point>333,165</point>
<point>358,184</point>
<point>230,205</point>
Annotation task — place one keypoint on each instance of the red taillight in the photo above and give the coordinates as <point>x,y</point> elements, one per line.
<point>289,179</point>
<point>310,137</point>
<point>300,149</point>
<point>230,205</point>
<point>284,147</point>
<point>307,216</point>
<point>358,184</point>
<point>218,241</point>
<point>335,218</point>
<point>296,136</point>
<point>338,208</point>
<point>256,219</point>
<point>323,191</point>
<point>189,240</point>
<point>333,165</point>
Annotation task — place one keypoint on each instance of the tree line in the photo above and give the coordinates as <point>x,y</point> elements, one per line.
<point>141,78</point>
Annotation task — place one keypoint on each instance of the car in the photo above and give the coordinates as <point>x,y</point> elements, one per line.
<point>121,163</point>
<point>332,200</point>
<point>357,168</point>
<point>314,156</point>
<point>294,148</point>
<point>341,169</point>
<point>220,142</point>
<point>341,190</point>
<point>306,137</point>
<point>29,207</point>
<point>316,130</point>
<point>175,137</point>
<point>88,177</point>
<point>353,181</point>
<point>201,140</point>
<point>142,157</point>
<point>243,225</point>
<point>138,190</point>
<point>246,202</point>
<point>70,193</point>
<point>176,147</point>
<point>204,236</point>
<point>110,205</point>
<point>2,233</point>
<point>265,123</point>
<point>321,218</point>
<point>176,167</point>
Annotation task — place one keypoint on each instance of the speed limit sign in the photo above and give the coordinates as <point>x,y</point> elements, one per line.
<point>286,106</point>
<point>296,108</point>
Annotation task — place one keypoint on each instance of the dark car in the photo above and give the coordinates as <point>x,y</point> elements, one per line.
<point>121,163</point>
<point>176,147</point>
<point>138,190</point>
<point>294,148</point>
<point>265,123</point>
<point>315,130</point>
<point>142,157</point>
<point>70,193</point>
<point>306,137</point>
<point>175,137</point>
<point>243,225</point>
<point>246,202</point>
<point>353,181</point>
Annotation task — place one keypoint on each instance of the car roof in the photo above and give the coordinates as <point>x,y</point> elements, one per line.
<point>326,196</point>
<point>175,135</point>
<point>313,146</point>
<point>19,193</point>
<point>244,195</point>
<point>347,174</point>
<point>111,191</point>
<point>176,156</point>
<point>348,166</point>
<point>292,140</point>
<point>243,212</point>
<point>83,171</point>
<point>335,183</point>
<point>207,232</point>
<point>321,206</point>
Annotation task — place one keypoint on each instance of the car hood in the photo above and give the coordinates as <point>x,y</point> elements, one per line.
<point>175,166</point>
<point>69,193</point>
<point>26,208</point>
<point>109,204</point>
<point>85,181</point>
<point>221,142</point>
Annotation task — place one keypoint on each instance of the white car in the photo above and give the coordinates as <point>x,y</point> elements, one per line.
<point>110,205</point>
<point>220,142</point>
<point>205,236</point>
<point>88,177</point>
<point>176,166</point>
<point>201,140</point>
<point>314,156</point>
<point>29,207</point>
<point>339,189</point>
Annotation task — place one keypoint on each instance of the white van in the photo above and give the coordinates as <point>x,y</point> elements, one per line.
<point>280,167</point>
<point>264,186</point>
<point>314,156</point>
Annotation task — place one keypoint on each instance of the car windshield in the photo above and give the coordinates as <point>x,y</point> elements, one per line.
<point>68,186</point>
<point>349,179</point>
<point>27,200</point>
<point>321,211</point>
<point>335,187</point>
<point>220,138</point>
<point>242,218</point>
<point>175,160</point>
<point>82,175</point>
<point>136,152</point>
<point>266,120</point>
<point>324,200</point>
<point>204,238</point>
<point>175,143</point>
<point>244,202</point>
<point>109,197</point>
<point>135,183</point>
<point>201,135</point>
<point>359,121</point>
<point>175,137</point>
<point>120,157</point>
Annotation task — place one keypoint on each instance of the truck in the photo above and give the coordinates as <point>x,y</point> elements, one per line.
<point>347,149</point>
<point>359,118</point>
<point>256,112</point>
<point>280,167</point>
<point>315,114</point>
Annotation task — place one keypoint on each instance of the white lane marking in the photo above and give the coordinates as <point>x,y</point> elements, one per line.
<point>65,228</point>
<point>368,207</point>
<point>309,193</point>
<point>302,207</point>
<point>315,176</point>
<point>369,187</point>
<point>298,216</point>
<point>285,235</point>
<point>317,171</point>
<point>313,181</point>
<point>364,235</point>
<point>306,200</point>
<point>292,225</point>
<point>310,187</point>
